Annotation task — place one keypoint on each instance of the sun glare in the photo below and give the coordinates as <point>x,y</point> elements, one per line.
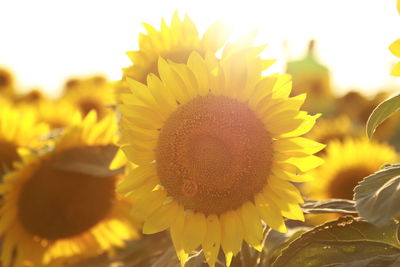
<point>47,42</point>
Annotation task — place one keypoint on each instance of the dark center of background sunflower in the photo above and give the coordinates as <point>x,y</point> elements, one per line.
<point>5,79</point>
<point>88,104</point>
<point>213,154</point>
<point>8,154</point>
<point>57,204</point>
<point>343,183</point>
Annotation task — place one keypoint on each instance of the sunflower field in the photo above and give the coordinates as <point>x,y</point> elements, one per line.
<point>197,156</point>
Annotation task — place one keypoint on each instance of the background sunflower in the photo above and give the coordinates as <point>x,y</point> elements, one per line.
<point>58,208</point>
<point>19,128</point>
<point>347,163</point>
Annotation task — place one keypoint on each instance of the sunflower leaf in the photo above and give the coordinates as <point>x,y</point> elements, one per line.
<point>381,113</point>
<point>381,260</point>
<point>333,205</point>
<point>378,195</point>
<point>90,160</point>
<point>339,242</point>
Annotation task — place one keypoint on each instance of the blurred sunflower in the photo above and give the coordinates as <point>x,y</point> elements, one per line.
<point>347,163</point>
<point>175,42</point>
<point>339,128</point>
<point>345,106</point>
<point>32,98</point>
<point>6,83</point>
<point>216,147</point>
<point>55,211</point>
<point>57,114</point>
<point>19,128</point>
<point>90,94</point>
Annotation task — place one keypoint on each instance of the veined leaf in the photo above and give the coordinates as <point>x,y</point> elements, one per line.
<point>381,113</point>
<point>381,260</point>
<point>378,195</point>
<point>333,205</point>
<point>339,242</point>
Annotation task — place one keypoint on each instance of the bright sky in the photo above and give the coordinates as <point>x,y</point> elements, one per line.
<point>45,41</point>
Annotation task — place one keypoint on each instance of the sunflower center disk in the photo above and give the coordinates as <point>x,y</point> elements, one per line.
<point>213,154</point>
<point>345,180</point>
<point>88,104</point>
<point>8,154</point>
<point>56,203</point>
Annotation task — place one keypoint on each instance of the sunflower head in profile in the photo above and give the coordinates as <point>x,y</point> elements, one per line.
<point>173,42</point>
<point>216,147</point>
<point>19,128</point>
<point>347,163</point>
<point>57,209</point>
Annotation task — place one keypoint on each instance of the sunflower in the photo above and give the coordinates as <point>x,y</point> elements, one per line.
<point>339,128</point>
<point>6,83</point>
<point>175,42</point>
<point>33,98</point>
<point>93,93</point>
<point>216,147</point>
<point>347,163</point>
<point>57,114</point>
<point>54,214</point>
<point>19,128</point>
<point>345,105</point>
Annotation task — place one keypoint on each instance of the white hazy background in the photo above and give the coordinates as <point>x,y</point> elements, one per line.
<point>45,42</point>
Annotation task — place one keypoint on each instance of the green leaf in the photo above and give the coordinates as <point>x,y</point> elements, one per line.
<point>381,113</point>
<point>279,242</point>
<point>339,242</point>
<point>333,205</point>
<point>381,260</point>
<point>91,160</point>
<point>378,195</point>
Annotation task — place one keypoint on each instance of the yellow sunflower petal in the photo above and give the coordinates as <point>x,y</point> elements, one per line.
<point>291,176</point>
<point>212,240</point>
<point>161,218</point>
<point>283,86</point>
<point>148,203</point>
<point>298,145</point>
<point>161,94</point>
<point>215,36</point>
<point>285,189</point>
<point>253,230</point>
<point>270,213</point>
<point>231,234</point>
<point>304,164</point>
<point>288,209</point>
<point>135,178</point>
<point>199,68</point>
<point>137,156</point>
<point>194,230</point>
<point>177,236</point>
<point>395,48</point>
<point>396,70</point>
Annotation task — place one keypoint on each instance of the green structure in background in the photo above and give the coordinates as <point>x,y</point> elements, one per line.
<point>311,77</point>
